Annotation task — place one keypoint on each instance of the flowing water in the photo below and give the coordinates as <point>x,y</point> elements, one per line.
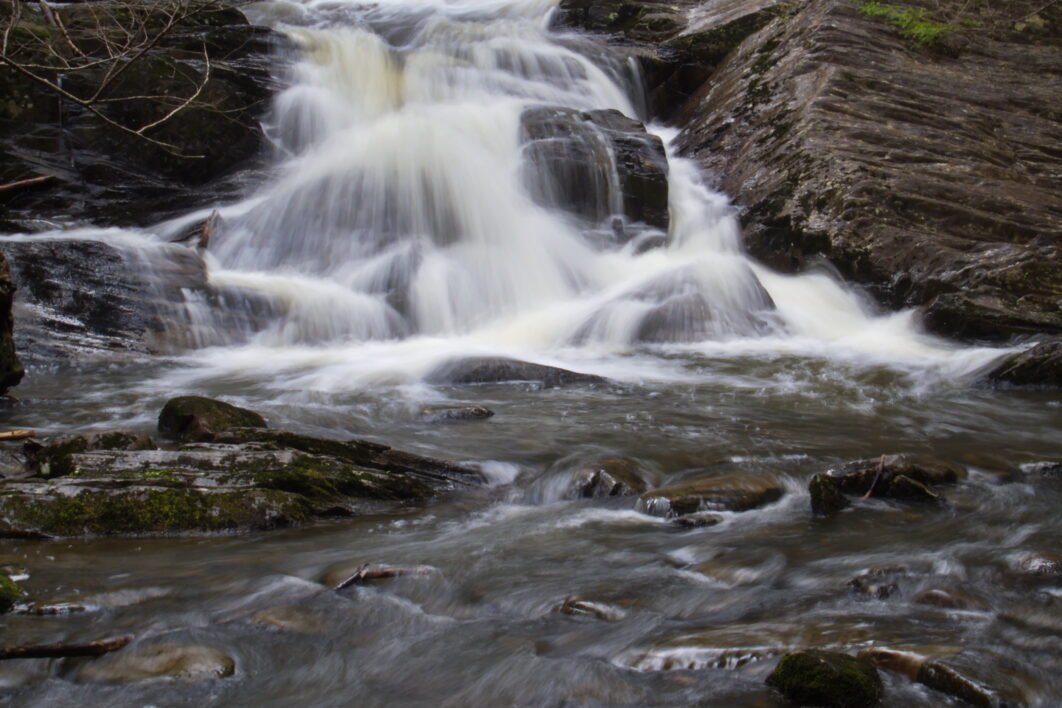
<point>402,228</point>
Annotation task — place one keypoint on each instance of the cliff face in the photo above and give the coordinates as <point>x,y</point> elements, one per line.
<point>929,174</point>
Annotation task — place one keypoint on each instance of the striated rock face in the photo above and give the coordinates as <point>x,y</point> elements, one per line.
<point>11,370</point>
<point>929,175</point>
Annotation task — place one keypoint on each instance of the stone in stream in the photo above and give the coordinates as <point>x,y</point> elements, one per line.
<point>696,521</point>
<point>610,477</point>
<point>54,457</point>
<point>490,370</point>
<point>10,593</point>
<point>728,492</point>
<point>587,608</point>
<point>879,583</point>
<point>948,678</point>
<point>347,573</point>
<point>199,419</point>
<point>1044,564</point>
<point>1040,366</point>
<point>949,598</point>
<point>290,618</point>
<point>903,477</point>
<point>828,679</point>
<point>446,414</point>
<point>176,661</point>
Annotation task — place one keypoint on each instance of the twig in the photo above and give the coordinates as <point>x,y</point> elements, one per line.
<point>363,573</point>
<point>17,434</point>
<point>51,651</point>
<point>25,182</point>
<point>881,468</point>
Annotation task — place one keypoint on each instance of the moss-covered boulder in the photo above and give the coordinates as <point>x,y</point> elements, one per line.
<point>199,419</point>
<point>827,679</point>
<point>10,593</point>
<point>728,492</point>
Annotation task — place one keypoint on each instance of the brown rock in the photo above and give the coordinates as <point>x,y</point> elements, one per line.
<point>729,492</point>
<point>611,477</point>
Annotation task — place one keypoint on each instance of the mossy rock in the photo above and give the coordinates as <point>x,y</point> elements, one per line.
<point>827,679</point>
<point>199,419</point>
<point>55,458</point>
<point>826,496</point>
<point>10,593</point>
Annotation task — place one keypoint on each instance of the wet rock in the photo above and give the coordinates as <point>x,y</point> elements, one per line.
<point>54,458</point>
<point>611,477</point>
<point>489,370</point>
<point>10,593</point>
<point>878,583</point>
<point>1040,366</point>
<point>829,679</point>
<point>949,598</point>
<point>586,608</point>
<point>696,521</point>
<point>1042,564</point>
<point>289,618</point>
<point>199,419</point>
<point>826,496</point>
<point>729,492</point>
<point>138,663</point>
<point>1044,468</point>
<point>814,122</point>
<point>445,414</point>
<point>11,370</point>
<point>944,677</point>
<point>578,158</point>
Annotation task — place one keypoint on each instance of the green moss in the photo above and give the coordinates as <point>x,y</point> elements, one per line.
<point>829,679</point>
<point>10,593</point>
<point>912,22</point>
<point>200,418</point>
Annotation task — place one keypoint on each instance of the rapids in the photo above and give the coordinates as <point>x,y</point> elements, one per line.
<point>398,230</point>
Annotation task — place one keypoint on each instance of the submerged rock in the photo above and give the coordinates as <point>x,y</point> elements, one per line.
<point>10,593</point>
<point>587,608</point>
<point>611,477</point>
<point>1040,366</point>
<point>949,598</point>
<point>446,414</point>
<point>696,521</point>
<point>489,370</point>
<point>828,679</point>
<point>878,583</point>
<point>199,419</point>
<point>729,492</point>
<point>347,573</point>
<point>175,661</point>
<point>289,618</point>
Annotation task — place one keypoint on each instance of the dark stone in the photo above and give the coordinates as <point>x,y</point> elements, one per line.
<point>729,492</point>
<point>489,370</point>
<point>826,496</point>
<point>574,158</point>
<point>901,477</point>
<point>445,414</point>
<point>11,370</point>
<point>828,679</point>
<point>923,175</point>
<point>53,459</point>
<point>1040,366</point>
<point>199,419</point>
<point>878,583</point>
<point>611,477</point>
<point>955,681</point>
<point>696,521</point>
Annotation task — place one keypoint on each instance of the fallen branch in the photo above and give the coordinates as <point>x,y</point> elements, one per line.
<point>20,184</point>
<point>17,434</point>
<point>365,573</point>
<point>881,468</point>
<point>53,651</point>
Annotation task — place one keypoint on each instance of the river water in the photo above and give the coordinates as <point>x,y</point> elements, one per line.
<point>397,232</point>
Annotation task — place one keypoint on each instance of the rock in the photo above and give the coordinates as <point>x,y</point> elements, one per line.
<point>10,593</point>
<point>949,598</point>
<point>696,521</point>
<point>489,370</point>
<point>53,459</point>
<point>826,496</point>
<point>879,583</point>
<point>1044,468</point>
<point>138,663</point>
<point>829,679</point>
<point>943,677</point>
<point>575,158</point>
<point>11,370</point>
<point>109,176</point>
<point>1042,564</point>
<point>611,477</point>
<point>729,492</point>
<point>901,477</point>
<point>195,418</point>
<point>445,414</point>
<point>1040,366</point>
<point>586,608</point>
<point>289,618</point>
<point>814,123</point>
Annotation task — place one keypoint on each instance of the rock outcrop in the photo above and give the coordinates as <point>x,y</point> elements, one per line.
<point>925,173</point>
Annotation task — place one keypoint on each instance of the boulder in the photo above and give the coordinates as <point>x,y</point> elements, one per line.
<point>611,477</point>
<point>828,679</point>
<point>199,419</point>
<point>729,492</point>
<point>175,661</point>
<point>842,139</point>
<point>903,477</point>
<point>11,370</point>
<point>596,165</point>
<point>1039,366</point>
<point>490,370</point>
